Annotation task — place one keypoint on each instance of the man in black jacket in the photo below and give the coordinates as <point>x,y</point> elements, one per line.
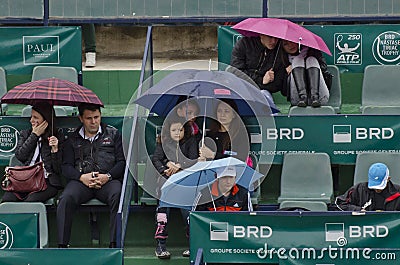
<point>378,194</point>
<point>93,163</point>
<point>258,58</point>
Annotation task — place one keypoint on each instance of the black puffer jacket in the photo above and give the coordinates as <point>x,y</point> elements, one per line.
<point>105,154</point>
<point>360,195</point>
<point>184,153</point>
<point>25,150</point>
<point>251,57</point>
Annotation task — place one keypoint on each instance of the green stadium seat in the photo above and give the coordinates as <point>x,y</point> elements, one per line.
<point>381,110</point>
<point>323,110</point>
<point>59,110</point>
<point>365,160</point>
<point>3,90</point>
<point>306,177</point>
<point>61,72</point>
<point>309,205</point>
<point>379,86</point>
<point>149,184</point>
<point>335,94</point>
<point>30,207</point>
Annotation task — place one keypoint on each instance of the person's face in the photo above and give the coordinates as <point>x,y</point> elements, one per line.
<point>225,114</point>
<point>36,118</point>
<point>188,111</point>
<point>268,41</point>
<point>176,131</point>
<point>290,47</point>
<point>91,121</point>
<point>225,184</point>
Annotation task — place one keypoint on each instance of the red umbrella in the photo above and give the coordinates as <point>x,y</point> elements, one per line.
<point>283,29</point>
<point>52,90</point>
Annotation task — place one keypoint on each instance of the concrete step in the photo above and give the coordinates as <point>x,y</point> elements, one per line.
<point>145,255</point>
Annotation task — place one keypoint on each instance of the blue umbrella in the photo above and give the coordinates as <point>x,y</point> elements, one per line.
<point>202,84</point>
<point>181,189</point>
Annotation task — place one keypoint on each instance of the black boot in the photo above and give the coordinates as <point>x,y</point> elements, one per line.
<point>313,75</point>
<point>299,80</point>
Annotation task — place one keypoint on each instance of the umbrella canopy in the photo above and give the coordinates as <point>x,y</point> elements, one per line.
<point>52,90</point>
<point>283,29</point>
<point>163,97</point>
<point>181,189</point>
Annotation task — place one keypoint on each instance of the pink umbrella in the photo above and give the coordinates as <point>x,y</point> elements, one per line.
<point>283,29</point>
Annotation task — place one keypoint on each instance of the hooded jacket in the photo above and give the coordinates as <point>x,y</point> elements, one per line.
<point>252,58</point>
<point>361,197</point>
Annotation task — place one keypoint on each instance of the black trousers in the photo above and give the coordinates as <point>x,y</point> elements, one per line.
<point>74,194</point>
<point>41,196</point>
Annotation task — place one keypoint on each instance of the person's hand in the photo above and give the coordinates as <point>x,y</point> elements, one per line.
<point>40,128</point>
<point>53,142</point>
<point>206,152</point>
<point>87,180</point>
<point>98,180</point>
<point>269,76</point>
<point>172,168</point>
<point>289,69</point>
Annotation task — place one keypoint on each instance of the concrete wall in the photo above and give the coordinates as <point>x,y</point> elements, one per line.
<point>169,41</point>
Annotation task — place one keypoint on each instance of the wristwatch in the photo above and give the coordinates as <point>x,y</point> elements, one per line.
<point>109,176</point>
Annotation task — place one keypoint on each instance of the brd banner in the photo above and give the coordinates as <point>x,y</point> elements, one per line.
<point>352,46</point>
<point>342,137</point>
<point>19,230</point>
<point>334,238</point>
<point>23,48</point>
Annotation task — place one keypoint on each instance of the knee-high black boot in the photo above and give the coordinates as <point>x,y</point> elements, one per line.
<point>299,80</point>
<point>313,75</point>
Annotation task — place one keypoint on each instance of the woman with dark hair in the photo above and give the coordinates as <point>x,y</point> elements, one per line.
<point>227,135</point>
<point>40,143</point>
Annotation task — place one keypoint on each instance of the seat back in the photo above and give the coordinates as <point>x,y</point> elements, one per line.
<point>150,184</point>
<point>365,160</point>
<point>335,93</point>
<point>3,82</point>
<point>306,177</point>
<point>381,110</point>
<point>30,207</point>
<point>59,110</point>
<point>379,83</point>
<point>14,161</point>
<point>61,72</point>
<point>3,89</point>
<point>323,110</point>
